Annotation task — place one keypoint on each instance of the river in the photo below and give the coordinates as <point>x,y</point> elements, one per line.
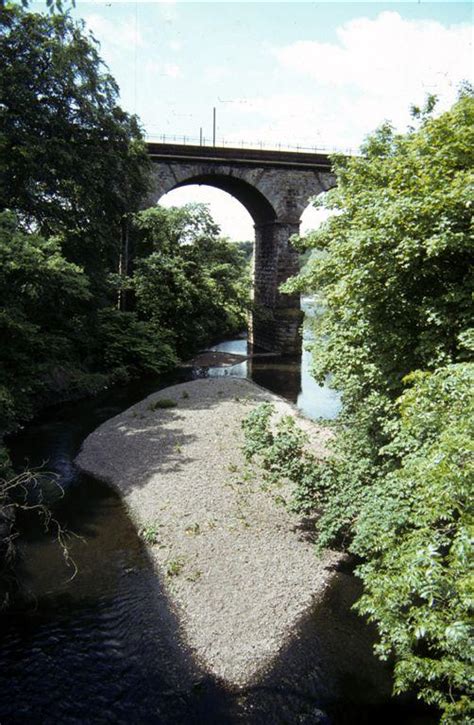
<point>106,646</point>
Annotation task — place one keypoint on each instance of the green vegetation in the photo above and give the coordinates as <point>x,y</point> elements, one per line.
<point>203,279</point>
<point>175,567</point>
<point>282,453</point>
<point>247,249</point>
<point>76,314</point>
<point>63,138</point>
<point>151,534</point>
<point>163,403</point>
<point>393,270</point>
<point>73,169</point>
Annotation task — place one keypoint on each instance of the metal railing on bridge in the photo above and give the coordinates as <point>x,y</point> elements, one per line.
<point>232,143</point>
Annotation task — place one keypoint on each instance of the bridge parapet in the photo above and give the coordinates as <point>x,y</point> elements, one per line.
<point>272,157</point>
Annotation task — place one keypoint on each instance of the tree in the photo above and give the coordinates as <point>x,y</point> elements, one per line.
<point>188,280</point>
<point>394,272</point>
<point>72,163</point>
<point>72,166</point>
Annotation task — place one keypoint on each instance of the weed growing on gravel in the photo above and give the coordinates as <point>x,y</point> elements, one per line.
<point>193,529</point>
<point>185,394</point>
<point>163,403</point>
<point>247,475</point>
<point>175,567</point>
<point>149,533</point>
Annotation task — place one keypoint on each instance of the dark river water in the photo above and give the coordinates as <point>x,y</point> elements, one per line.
<point>106,646</point>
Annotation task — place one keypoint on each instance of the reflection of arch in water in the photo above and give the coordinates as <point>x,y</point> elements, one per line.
<point>275,194</point>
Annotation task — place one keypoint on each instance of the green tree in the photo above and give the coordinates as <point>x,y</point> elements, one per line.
<point>72,165</point>
<point>415,534</point>
<point>72,162</point>
<point>393,270</point>
<point>188,280</point>
<point>394,273</point>
<point>40,295</point>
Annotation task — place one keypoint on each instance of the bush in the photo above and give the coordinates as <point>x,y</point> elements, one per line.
<point>415,532</point>
<point>393,270</point>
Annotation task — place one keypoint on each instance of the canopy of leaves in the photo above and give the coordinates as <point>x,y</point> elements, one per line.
<point>73,170</point>
<point>418,575</point>
<point>71,161</point>
<point>188,280</point>
<point>393,270</point>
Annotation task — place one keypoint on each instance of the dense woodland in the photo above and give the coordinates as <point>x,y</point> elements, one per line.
<point>392,269</point>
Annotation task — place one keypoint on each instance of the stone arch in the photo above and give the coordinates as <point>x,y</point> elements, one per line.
<point>168,177</point>
<point>275,193</point>
<point>258,206</point>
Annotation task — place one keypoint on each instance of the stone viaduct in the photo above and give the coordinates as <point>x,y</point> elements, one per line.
<point>274,186</point>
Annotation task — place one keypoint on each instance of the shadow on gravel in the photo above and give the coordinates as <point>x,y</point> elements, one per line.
<point>147,440</point>
<point>107,647</point>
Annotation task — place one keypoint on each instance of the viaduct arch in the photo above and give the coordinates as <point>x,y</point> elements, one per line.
<point>274,186</point>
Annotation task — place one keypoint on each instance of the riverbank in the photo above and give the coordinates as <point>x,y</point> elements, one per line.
<point>238,567</point>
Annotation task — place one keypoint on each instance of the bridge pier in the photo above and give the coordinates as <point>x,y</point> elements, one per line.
<point>276,319</point>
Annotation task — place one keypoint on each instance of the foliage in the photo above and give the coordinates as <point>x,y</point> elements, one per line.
<point>73,170</point>
<point>175,567</point>
<point>393,272</point>
<point>72,163</point>
<point>282,451</point>
<point>247,249</point>
<point>202,278</point>
<point>151,534</point>
<point>418,543</point>
<point>73,167</point>
<point>127,343</point>
<point>162,403</point>
<point>41,292</point>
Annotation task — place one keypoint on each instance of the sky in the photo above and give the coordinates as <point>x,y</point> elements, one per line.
<point>314,74</point>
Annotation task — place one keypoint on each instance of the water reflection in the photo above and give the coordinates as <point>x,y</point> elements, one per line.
<point>289,377</point>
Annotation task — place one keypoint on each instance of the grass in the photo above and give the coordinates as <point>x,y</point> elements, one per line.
<point>175,567</point>
<point>163,403</point>
<point>150,533</point>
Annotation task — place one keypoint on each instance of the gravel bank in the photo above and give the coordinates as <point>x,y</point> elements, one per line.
<point>235,562</point>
